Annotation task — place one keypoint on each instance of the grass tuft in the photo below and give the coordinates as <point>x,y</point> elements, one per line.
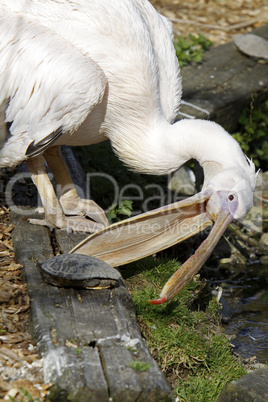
<point>184,336</point>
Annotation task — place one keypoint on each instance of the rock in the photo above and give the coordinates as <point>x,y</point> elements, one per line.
<point>182,181</point>
<point>264,260</point>
<point>264,177</point>
<point>252,45</point>
<point>225,311</point>
<point>264,239</point>
<point>252,387</point>
<point>257,218</point>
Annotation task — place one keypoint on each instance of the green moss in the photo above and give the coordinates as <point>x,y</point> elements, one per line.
<point>191,49</point>
<point>78,351</point>
<point>184,336</point>
<point>139,366</point>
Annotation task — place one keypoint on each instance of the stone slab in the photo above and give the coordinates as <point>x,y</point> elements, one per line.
<point>223,83</point>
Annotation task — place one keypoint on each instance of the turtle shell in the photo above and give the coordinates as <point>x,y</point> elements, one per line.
<point>79,271</point>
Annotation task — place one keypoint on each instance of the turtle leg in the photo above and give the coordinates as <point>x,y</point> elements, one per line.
<point>54,215</point>
<point>70,201</point>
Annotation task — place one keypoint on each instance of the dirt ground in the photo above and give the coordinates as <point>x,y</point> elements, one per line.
<point>218,20</point>
<point>20,365</point>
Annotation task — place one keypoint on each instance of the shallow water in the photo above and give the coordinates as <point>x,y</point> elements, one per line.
<point>245,290</point>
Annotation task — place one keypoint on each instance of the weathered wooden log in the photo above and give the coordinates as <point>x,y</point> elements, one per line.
<point>89,339</point>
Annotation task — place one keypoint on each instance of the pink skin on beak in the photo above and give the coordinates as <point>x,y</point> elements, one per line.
<point>187,271</point>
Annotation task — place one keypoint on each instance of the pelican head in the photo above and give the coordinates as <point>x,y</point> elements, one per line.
<point>232,191</point>
<point>229,197</point>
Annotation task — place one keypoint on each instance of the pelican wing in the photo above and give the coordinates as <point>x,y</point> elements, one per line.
<point>148,233</point>
<point>51,85</point>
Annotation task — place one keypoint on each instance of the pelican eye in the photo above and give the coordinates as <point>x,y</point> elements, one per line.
<point>231,197</point>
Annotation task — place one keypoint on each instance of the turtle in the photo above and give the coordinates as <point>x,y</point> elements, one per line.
<point>79,271</point>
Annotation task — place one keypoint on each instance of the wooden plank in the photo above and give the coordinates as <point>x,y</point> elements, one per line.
<point>66,241</point>
<point>224,82</point>
<point>85,336</point>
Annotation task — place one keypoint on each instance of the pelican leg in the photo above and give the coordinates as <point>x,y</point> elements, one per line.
<point>54,215</point>
<point>70,201</point>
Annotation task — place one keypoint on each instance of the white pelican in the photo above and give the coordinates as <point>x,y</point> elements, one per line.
<point>78,72</point>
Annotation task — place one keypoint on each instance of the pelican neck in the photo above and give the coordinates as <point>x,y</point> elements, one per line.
<point>163,147</point>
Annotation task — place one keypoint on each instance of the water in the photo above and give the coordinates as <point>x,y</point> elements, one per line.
<point>245,290</point>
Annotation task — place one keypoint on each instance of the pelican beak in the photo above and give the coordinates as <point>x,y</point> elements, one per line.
<point>153,231</point>
<point>148,233</point>
<point>187,271</point>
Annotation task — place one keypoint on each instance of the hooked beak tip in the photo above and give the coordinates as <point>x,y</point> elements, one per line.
<point>158,301</point>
